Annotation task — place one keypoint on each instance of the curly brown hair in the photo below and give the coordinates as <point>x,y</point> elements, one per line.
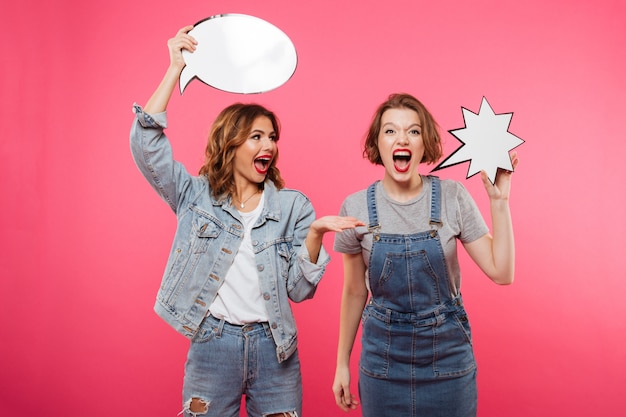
<point>231,129</point>
<point>433,149</point>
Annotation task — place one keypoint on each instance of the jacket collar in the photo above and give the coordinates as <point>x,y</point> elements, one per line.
<point>271,210</point>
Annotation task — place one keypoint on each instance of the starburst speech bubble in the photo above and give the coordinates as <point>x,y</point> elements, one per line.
<point>486,142</point>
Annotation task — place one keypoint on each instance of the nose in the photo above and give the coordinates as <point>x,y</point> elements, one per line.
<point>268,143</point>
<point>403,137</point>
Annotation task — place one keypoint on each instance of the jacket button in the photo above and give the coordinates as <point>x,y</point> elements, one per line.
<point>274,325</point>
<point>255,242</point>
<point>266,296</point>
<point>259,267</point>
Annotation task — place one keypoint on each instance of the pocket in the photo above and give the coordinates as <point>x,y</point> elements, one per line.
<point>454,355</point>
<point>206,332</point>
<point>285,252</point>
<point>386,272</point>
<point>375,347</point>
<point>203,234</point>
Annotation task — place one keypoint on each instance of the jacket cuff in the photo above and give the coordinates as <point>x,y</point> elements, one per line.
<point>313,270</point>
<point>158,120</point>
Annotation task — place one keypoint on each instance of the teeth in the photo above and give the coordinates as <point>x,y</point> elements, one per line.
<point>402,155</point>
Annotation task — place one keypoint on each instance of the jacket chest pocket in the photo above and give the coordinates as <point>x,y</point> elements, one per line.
<point>203,233</point>
<point>285,252</point>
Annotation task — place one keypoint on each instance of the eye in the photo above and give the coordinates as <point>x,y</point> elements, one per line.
<point>273,138</point>
<point>255,136</point>
<point>389,131</point>
<point>414,132</point>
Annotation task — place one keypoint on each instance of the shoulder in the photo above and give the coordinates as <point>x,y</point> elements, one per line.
<point>357,196</point>
<point>453,188</point>
<point>287,201</point>
<point>356,199</point>
<point>354,204</point>
<point>292,194</point>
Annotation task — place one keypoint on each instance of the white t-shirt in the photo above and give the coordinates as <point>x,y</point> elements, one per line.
<point>239,299</point>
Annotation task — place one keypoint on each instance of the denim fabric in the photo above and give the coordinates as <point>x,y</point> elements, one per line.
<point>209,232</point>
<point>226,361</point>
<point>417,357</point>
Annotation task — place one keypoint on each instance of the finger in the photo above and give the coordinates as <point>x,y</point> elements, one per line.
<point>184,29</point>
<point>185,44</point>
<point>339,400</point>
<point>485,178</point>
<point>347,395</point>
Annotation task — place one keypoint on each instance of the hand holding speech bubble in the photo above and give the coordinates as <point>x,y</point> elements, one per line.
<point>239,53</point>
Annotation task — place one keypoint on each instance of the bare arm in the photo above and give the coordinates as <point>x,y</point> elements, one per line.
<point>327,224</point>
<point>353,301</point>
<point>161,96</point>
<point>495,253</point>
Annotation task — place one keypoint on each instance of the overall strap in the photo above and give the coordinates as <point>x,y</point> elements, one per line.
<point>435,206</point>
<point>435,201</point>
<point>374,226</point>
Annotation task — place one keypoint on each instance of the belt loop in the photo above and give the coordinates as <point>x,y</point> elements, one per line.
<point>220,328</point>
<point>266,327</point>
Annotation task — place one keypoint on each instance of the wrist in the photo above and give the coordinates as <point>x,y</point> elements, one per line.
<point>499,203</point>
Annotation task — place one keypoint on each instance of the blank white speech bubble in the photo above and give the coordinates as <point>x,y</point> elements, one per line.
<point>240,54</point>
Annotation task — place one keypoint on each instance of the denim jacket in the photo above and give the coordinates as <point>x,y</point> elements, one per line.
<point>209,232</point>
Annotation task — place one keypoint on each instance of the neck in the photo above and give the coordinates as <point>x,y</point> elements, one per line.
<point>245,195</point>
<point>403,190</point>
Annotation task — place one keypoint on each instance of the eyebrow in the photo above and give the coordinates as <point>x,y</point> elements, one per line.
<point>395,125</point>
<point>271,132</point>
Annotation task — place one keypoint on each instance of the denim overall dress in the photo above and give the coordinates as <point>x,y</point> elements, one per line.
<point>417,357</point>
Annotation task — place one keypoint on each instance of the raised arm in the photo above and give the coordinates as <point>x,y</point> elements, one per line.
<point>161,96</point>
<point>495,253</point>
<point>327,224</point>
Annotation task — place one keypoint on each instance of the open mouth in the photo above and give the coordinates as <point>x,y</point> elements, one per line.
<point>402,160</point>
<point>262,164</point>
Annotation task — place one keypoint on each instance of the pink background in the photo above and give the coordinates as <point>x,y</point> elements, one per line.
<point>84,239</point>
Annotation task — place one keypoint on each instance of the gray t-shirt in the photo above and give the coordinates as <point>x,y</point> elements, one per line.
<point>460,216</point>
